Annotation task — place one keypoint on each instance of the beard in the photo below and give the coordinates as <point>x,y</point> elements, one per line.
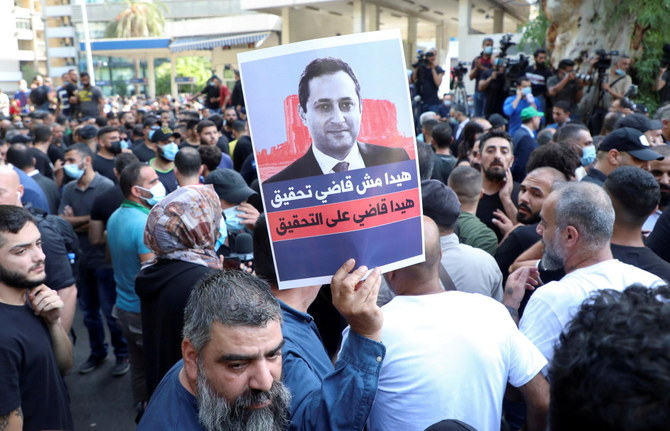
<point>495,173</point>
<point>553,257</point>
<point>665,196</point>
<point>215,413</point>
<point>18,280</point>
<point>527,219</point>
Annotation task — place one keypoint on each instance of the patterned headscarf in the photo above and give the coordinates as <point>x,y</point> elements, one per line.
<point>185,225</point>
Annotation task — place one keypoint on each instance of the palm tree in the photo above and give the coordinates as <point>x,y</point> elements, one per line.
<point>140,18</point>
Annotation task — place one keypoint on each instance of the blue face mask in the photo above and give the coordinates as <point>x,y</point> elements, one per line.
<point>620,72</point>
<point>488,50</point>
<point>233,222</point>
<point>125,145</point>
<point>527,90</point>
<point>169,151</point>
<point>223,234</point>
<point>588,155</point>
<point>73,171</point>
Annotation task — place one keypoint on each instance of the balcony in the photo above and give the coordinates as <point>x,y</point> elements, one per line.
<point>59,32</point>
<point>24,34</point>
<point>63,52</point>
<point>25,55</point>
<point>55,11</point>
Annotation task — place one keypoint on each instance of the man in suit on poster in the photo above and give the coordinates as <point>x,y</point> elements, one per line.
<point>331,108</point>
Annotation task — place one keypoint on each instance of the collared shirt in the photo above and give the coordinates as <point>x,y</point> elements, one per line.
<point>530,132</point>
<point>33,173</point>
<point>595,176</point>
<point>327,163</point>
<point>326,397</point>
<point>461,125</point>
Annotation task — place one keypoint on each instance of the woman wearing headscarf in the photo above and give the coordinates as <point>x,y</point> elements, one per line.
<point>181,231</point>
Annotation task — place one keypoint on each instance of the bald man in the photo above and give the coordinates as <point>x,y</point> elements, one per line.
<point>58,269</point>
<point>463,375</point>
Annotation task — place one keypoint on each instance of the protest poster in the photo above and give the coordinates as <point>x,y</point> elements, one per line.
<point>333,135</point>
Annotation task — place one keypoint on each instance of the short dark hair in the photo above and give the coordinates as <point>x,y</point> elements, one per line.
<point>563,105</point>
<point>80,148</point>
<point>20,156</point>
<point>231,298</point>
<point>442,135</point>
<point>569,133</point>
<point>319,67</point>
<point>12,220</point>
<point>565,63</point>
<point>210,155</point>
<point>101,121</point>
<point>560,157</point>
<point>188,161</point>
<point>124,159</point>
<point>634,192</point>
<point>239,125</point>
<point>150,122</point>
<point>610,370</point>
<point>494,134</point>
<point>459,107</point>
<point>83,74</point>
<point>106,130</point>
<point>539,51</point>
<point>217,120</point>
<point>200,125</point>
<point>41,133</point>
<point>138,131</point>
<point>130,176</point>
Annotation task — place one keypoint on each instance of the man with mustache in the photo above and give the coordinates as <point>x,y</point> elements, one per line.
<point>500,192</point>
<point>230,376</point>
<point>533,191</point>
<point>331,107</point>
<point>35,350</point>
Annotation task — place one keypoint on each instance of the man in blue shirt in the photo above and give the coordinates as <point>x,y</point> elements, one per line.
<point>125,240</point>
<point>327,397</point>
<point>521,100</point>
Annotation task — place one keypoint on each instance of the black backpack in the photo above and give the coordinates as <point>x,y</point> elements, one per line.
<point>60,225</point>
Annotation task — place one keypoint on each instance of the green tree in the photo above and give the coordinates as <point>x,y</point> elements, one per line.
<point>198,68</point>
<point>140,18</point>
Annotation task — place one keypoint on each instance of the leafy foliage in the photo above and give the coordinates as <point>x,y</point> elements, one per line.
<point>141,18</point>
<point>197,67</point>
<point>534,33</point>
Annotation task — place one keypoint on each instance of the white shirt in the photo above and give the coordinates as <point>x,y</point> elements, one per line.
<point>449,355</point>
<point>553,306</point>
<point>461,125</point>
<point>472,270</point>
<point>648,225</point>
<point>326,163</point>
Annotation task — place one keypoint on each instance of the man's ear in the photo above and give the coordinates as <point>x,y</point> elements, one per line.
<point>571,236</point>
<point>303,114</point>
<point>613,157</point>
<point>190,356</point>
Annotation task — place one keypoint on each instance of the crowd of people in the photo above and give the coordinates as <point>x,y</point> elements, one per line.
<point>145,216</point>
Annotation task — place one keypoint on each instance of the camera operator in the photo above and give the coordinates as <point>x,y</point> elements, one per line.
<point>564,86</point>
<point>618,82</point>
<point>427,76</point>
<point>492,85</point>
<point>481,64</point>
<point>538,74</point>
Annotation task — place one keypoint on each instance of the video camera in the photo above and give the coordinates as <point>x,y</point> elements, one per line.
<point>604,59</point>
<point>459,70</point>
<point>422,58</point>
<point>515,68</point>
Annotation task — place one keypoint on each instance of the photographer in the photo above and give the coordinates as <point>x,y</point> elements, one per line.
<point>480,65</point>
<point>618,82</point>
<point>427,78</point>
<point>564,86</point>
<point>538,74</point>
<point>492,85</point>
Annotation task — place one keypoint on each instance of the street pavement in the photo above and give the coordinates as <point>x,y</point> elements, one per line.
<point>98,400</point>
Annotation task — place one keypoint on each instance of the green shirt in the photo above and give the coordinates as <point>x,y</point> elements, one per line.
<point>475,233</point>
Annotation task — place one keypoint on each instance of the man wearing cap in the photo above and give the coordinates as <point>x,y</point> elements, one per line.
<point>163,163</point>
<point>109,145</point>
<point>514,105</point>
<point>144,149</point>
<point>524,141</point>
<point>652,129</point>
<point>471,269</point>
<point>622,147</point>
<point>233,194</point>
<point>331,108</point>
<point>498,122</point>
<point>450,354</point>
<point>87,134</point>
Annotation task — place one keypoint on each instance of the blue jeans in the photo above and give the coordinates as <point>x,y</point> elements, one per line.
<point>480,103</point>
<point>97,290</point>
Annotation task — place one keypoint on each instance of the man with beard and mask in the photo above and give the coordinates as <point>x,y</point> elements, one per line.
<point>635,194</point>
<point>578,138</point>
<point>35,350</point>
<point>109,145</point>
<point>144,148</point>
<point>230,375</point>
<point>95,280</point>
<point>660,169</point>
<point>125,240</point>
<point>163,163</point>
<point>533,191</point>
<point>577,221</point>
<point>500,192</point>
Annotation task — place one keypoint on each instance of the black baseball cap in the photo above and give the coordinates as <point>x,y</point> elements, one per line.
<point>229,185</point>
<point>450,425</point>
<point>638,122</point>
<point>163,134</point>
<point>87,132</point>
<point>440,202</point>
<point>631,141</point>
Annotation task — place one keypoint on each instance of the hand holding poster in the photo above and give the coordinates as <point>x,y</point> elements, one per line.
<point>336,161</point>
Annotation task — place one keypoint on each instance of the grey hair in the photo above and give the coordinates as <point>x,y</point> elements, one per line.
<point>232,298</point>
<point>587,208</point>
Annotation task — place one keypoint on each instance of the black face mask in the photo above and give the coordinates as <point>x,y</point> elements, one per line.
<point>115,147</point>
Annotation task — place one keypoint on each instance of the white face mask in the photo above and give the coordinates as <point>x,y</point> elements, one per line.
<point>158,192</point>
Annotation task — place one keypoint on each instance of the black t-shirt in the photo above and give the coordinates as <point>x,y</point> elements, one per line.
<point>104,167</point>
<point>56,152</point>
<point>659,238</point>
<point>64,94</point>
<point>643,258</point>
<point>42,163</point>
<point>211,91</point>
<point>29,372</point>
<point>518,241</point>
<point>495,93</point>
<point>489,203</point>
<point>242,150</point>
<point>237,97</point>
<point>106,203</point>
<point>443,164</point>
<point>143,152</point>
<point>428,88</point>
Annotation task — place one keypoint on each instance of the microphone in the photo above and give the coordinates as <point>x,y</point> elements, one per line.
<point>244,248</point>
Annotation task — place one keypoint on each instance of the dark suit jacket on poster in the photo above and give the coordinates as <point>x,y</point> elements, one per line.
<point>307,166</point>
